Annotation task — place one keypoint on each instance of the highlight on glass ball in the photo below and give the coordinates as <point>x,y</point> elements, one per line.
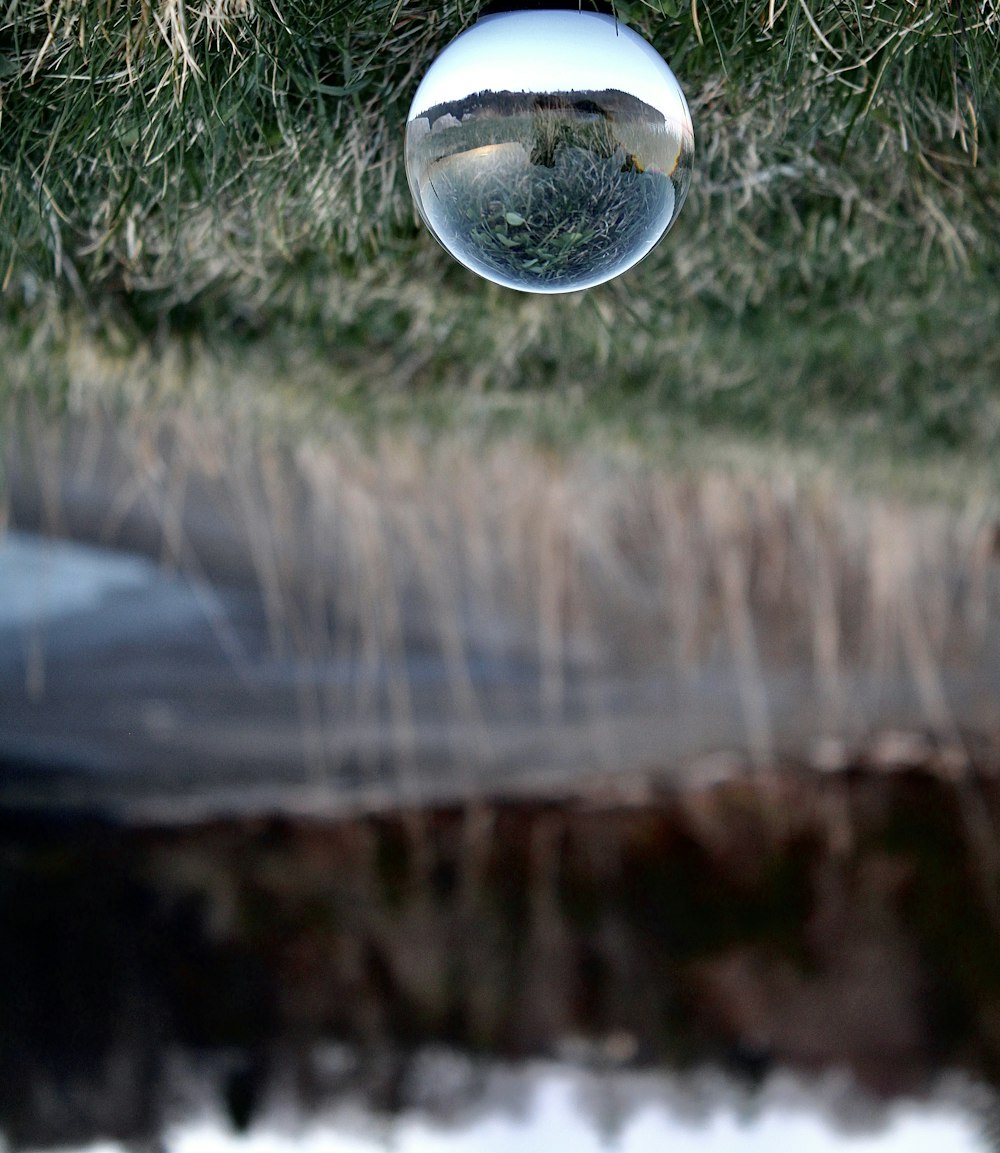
<point>549,149</point>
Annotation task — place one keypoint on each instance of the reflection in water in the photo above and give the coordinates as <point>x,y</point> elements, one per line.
<point>566,1109</point>
<point>407,964</point>
<point>43,580</point>
<point>426,624</point>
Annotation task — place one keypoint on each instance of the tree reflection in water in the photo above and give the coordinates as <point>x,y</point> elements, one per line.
<point>417,960</point>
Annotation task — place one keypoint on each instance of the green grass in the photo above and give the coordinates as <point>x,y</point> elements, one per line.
<point>551,227</point>
<point>221,182</point>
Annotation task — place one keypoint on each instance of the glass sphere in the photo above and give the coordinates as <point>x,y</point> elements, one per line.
<point>549,150</point>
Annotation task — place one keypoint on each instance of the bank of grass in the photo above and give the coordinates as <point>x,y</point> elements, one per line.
<point>899,397</point>
<point>220,183</point>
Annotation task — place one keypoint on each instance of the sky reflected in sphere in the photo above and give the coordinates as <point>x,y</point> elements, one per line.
<point>549,151</point>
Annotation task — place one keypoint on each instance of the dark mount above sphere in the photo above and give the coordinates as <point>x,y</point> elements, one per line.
<point>497,6</point>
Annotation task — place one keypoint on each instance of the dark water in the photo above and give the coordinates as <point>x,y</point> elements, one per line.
<point>798,965</point>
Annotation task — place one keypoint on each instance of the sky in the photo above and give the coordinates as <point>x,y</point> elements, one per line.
<point>558,1118</point>
<point>554,51</point>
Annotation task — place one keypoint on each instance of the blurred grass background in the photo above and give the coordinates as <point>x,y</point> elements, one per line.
<point>217,186</point>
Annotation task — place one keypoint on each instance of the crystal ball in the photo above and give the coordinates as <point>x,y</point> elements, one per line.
<point>549,150</point>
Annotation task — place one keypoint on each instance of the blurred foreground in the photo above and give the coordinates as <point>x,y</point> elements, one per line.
<point>836,935</point>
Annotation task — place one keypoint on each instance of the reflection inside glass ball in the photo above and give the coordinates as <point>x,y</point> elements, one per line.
<point>549,151</point>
